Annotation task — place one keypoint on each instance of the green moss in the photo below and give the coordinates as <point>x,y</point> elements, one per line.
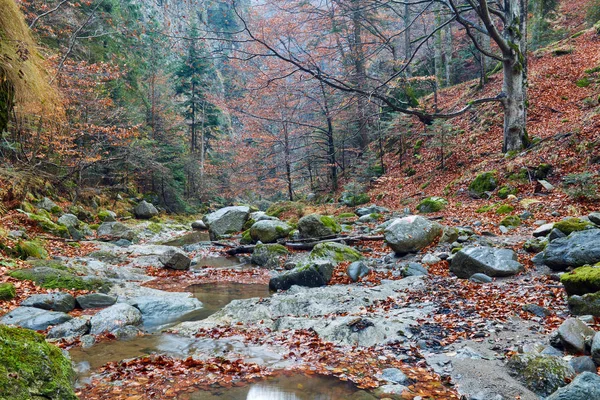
<point>504,209</point>
<point>507,190</point>
<point>375,216</point>
<point>27,207</point>
<point>276,209</point>
<point>432,204</point>
<point>94,226</point>
<point>54,264</point>
<point>154,227</point>
<point>334,251</point>
<point>582,280</point>
<point>103,214</point>
<point>331,223</point>
<point>571,225</point>
<point>30,368</point>
<point>542,374</point>
<point>521,176</point>
<point>543,170</point>
<point>246,237</point>
<point>248,224</point>
<point>7,291</point>
<point>50,278</point>
<point>31,248</point>
<point>534,245</point>
<point>346,215</point>
<point>274,249</point>
<point>48,225</point>
<point>56,210</point>
<point>355,199</point>
<point>486,208</point>
<point>484,182</point>
<point>511,221</point>
<point>583,82</point>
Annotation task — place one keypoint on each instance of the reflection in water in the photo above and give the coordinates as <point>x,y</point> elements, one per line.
<point>215,296</point>
<point>266,392</point>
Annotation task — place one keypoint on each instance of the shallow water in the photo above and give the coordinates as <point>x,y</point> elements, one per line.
<point>215,296</point>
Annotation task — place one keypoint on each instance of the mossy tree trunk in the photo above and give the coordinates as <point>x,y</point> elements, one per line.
<point>7,96</point>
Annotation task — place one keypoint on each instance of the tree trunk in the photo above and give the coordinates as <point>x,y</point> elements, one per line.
<point>360,74</point>
<point>407,46</point>
<point>448,53</point>
<point>515,76</point>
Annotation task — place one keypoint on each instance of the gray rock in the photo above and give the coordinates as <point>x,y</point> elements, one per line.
<point>430,259</point>
<point>577,249</point>
<point>87,341</point>
<point>95,300</point>
<point>552,351</point>
<point>267,231</point>
<point>450,235</point>
<point>64,302</point>
<point>588,304</point>
<point>317,226</point>
<point>573,334</point>
<point>503,229</point>
<point>540,373</point>
<point>175,259</point>
<point>596,348</point>
<point>48,205</point>
<point>385,391</point>
<point>313,274</point>
<point>480,278</point>
<point>556,234</point>
<point>413,269</point>
<point>69,220</point>
<point>127,332</point>
<point>583,364</point>
<point>411,234</point>
<point>145,210</point>
<point>594,218</point>
<point>394,375</point>
<point>372,209</point>
<point>491,261</point>
<point>123,243</point>
<point>357,270</point>
<point>199,225</point>
<point>367,219</point>
<point>34,318</point>
<point>162,309</point>
<point>114,317</point>
<point>543,230</point>
<point>268,255</point>
<point>75,327</point>
<point>115,231</point>
<point>226,220</point>
<point>262,216</point>
<point>585,386</point>
<point>536,310</point>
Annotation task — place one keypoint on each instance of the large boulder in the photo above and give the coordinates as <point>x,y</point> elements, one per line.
<point>175,259</point>
<point>95,300</point>
<point>34,318</point>
<point>268,231</point>
<point>317,226</point>
<point>573,334</point>
<point>64,302</point>
<point>163,309</point>
<point>226,220</point>
<point>588,304</point>
<point>491,261</point>
<point>585,386</point>
<point>334,252</point>
<point>114,317</point>
<point>582,280</point>
<point>145,210</point>
<point>541,374</point>
<point>115,231</point>
<point>268,255</point>
<point>411,234</point>
<point>314,273</point>
<point>69,220</point>
<point>31,368</point>
<point>432,204</point>
<point>49,205</point>
<point>577,249</point>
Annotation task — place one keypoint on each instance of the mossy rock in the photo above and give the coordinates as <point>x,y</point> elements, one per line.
<point>507,190</point>
<point>588,304</point>
<point>27,207</point>
<point>31,368</point>
<point>32,249</point>
<point>542,374</point>
<point>155,227</point>
<point>331,223</point>
<point>105,215</point>
<point>7,291</point>
<point>543,170</point>
<point>511,221</point>
<point>248,224</point>
<point>354,199</point>
<point>432,204</point>
<point>504,209</point>
<point>484,182</point>
<point>48,225</point>
<point>334,252</point>
<point>50,278</point>
<point>346,215</point>
<point>267,255</point>
<point>246,237</point>
<point>486,208</point>
<point>535,245</point>
<point>286,207</point>
<point>582,280</point>
<point>571,225</point>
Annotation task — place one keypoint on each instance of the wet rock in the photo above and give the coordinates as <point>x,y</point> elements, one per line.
<point>312,274</point>
<point>75,327</point>
<point>541,374</point>
<point>357,270</point>
<point>114,317</point>
<point>577,249</point>
<point>267,231</point>
<point>573,334</point>
<point>556,234</point>
<point>64,302</point>
<point>175,259</point>
<point>145,210</point>
<point>115,231</point>
<point>372,209</point>
<point>594,218</point>
<point>199,225</point>
<point>536,310</point>
<point>317,226</point>
<point>226,220</point>
<point>491,261</point>
<point>583,364</point>
<point>34,318</point>
<point>585,386</point>
<point>480,278</point>
<point>69,220</point>
<point>95,300</point>
<point>268,255</point>
<point>596,348</point>
<point>162,309</point>
<point>411,234</point>
<point>126,332</point>
<point>385,391</point>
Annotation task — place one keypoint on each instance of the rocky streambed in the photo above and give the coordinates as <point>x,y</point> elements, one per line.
<point>449,312</point>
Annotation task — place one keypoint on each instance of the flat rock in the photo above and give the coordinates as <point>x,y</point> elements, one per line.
<point>491,261</point>
<point>199,225</point>
<point>543,230</point>
<point>113,317</point>
<point>64,302</point>
<point>480,278</point>
<point>163,309</point>
<point>95,300</point>
<point>34,318</point>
